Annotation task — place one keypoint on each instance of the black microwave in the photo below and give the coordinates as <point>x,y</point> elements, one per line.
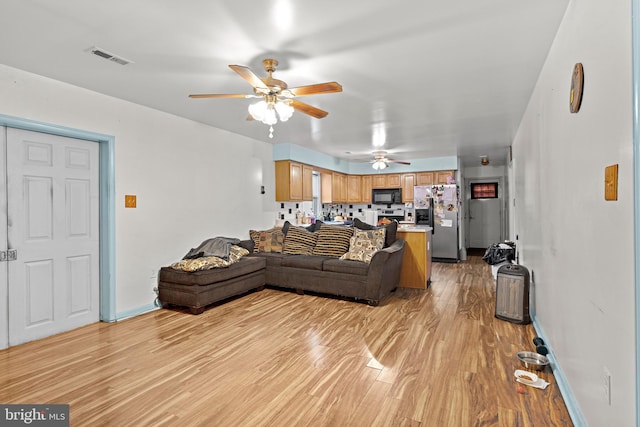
<point>386,196</point>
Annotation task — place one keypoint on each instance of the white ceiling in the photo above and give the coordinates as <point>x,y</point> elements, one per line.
<point>442,78</point>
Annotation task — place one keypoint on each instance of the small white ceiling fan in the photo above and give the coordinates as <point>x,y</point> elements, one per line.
<point>382,162</point>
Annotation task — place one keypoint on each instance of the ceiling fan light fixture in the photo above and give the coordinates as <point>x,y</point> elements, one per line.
<point>379,165</point>
<point>284,109</point>
<point>265,111</point>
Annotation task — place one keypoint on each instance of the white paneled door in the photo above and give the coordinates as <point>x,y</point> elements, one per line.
<point>53,225</point>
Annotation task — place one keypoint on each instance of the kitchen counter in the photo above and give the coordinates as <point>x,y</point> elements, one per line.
<point>415,228</point>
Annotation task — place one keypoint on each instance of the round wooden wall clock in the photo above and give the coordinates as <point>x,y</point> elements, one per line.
<point>577,83</point>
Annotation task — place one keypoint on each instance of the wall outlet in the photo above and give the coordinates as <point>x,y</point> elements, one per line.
<point>606,384</point>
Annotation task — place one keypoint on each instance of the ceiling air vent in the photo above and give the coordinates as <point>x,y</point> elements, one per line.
<point>110,56</point>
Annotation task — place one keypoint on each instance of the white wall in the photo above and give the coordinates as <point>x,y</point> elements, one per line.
<point>192,181</point>
<point>578,246</point>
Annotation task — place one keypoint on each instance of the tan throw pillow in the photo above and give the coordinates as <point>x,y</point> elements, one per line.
<point>332,240</point>
<point>299,241</point>
<point>365,244</point>
<point>267,240</point>
<point>391,228</point>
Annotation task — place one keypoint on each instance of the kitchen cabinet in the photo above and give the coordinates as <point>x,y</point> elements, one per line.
<point>339,187</point>
<point>424,178</point>
<point>416,260</point>
<point>365,196</point>
<point>393,180</point>
<point>354,189</point>
<point>292,183</point>
<point>326,187</point>
<point>441,176</point>
<point>379,181</point>
<point>386,180</point>
<point>408,182</point>
<point>307,182</point>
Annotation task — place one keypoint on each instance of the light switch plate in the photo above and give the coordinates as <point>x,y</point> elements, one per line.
<point>611,182</point>
<point>129,201</point>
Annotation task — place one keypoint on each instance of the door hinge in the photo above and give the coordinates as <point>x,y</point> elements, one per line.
<point>10,255</point>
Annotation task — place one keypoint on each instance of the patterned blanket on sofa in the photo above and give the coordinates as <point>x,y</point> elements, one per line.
<point>209,262</point>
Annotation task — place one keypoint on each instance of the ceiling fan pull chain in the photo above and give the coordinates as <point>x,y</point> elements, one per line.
<point>271,132</point>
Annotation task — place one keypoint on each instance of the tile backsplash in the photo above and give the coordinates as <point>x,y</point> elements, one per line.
<point>287,211</point>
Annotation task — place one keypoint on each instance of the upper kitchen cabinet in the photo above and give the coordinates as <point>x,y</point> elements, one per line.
<point>354,189</point>
<point>424,178</point>
<point>365,196</point>
<point>293,181</point>
<point>307,182</point>
<point>339,187</point>
<point>441,176</point>
<point>386,180</point>
<point>408,182</point>
<point>394,180</point>
<point>326,187</point>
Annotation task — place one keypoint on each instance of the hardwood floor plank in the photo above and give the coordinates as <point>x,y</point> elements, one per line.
<point>433,357</point>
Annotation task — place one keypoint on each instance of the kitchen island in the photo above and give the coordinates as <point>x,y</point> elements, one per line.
<point>416,263</point>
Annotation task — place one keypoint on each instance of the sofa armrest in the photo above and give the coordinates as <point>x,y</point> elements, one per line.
<point>384,271</point>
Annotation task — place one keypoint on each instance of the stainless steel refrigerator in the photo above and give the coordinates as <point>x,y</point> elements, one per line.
<point>438,207</point>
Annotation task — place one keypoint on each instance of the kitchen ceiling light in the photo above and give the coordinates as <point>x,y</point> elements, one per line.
<point>484,160</point>
<point>265,111</point>
<point>379,165</point>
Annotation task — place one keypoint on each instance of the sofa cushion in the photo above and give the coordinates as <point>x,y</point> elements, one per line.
<point>332,241</point>
<point>345,267</point>
<point>299,241</point>
<point>364,244</point>
<point>267,240</point>
<point>391,230</point>
<point>273,259</point>
<point>308,262</point>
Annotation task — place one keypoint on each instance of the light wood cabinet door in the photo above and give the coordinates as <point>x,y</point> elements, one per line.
<point>379,181</point>
<point>307,182</point>
<point>339,187</point>
<point>288,181</point>
<point>408,182</point>
<point>394,180</point>
<point>424,178</point>
<point>326,187</point>
<point>416,260</point>
<point>354,188</point>
<point>293,181</point>
<point>441,176</point>
<point>365,196</point>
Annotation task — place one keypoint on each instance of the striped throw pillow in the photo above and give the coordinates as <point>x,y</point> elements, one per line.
<point>299,241</point>
<point>333,241</point>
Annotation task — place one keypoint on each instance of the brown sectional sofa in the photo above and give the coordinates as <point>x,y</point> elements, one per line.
<point>369,282</point>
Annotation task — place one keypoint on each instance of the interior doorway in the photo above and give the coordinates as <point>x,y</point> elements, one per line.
<point>106,196</point>
<point>485,213</point>
<point>52,233</point>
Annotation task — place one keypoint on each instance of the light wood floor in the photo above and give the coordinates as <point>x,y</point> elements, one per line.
<point>272,358</point>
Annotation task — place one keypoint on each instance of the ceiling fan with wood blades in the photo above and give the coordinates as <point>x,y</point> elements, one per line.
<point>381,161</point>
<point>277,98</point>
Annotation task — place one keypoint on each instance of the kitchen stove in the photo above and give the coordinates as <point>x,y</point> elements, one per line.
<point>391,214</point>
